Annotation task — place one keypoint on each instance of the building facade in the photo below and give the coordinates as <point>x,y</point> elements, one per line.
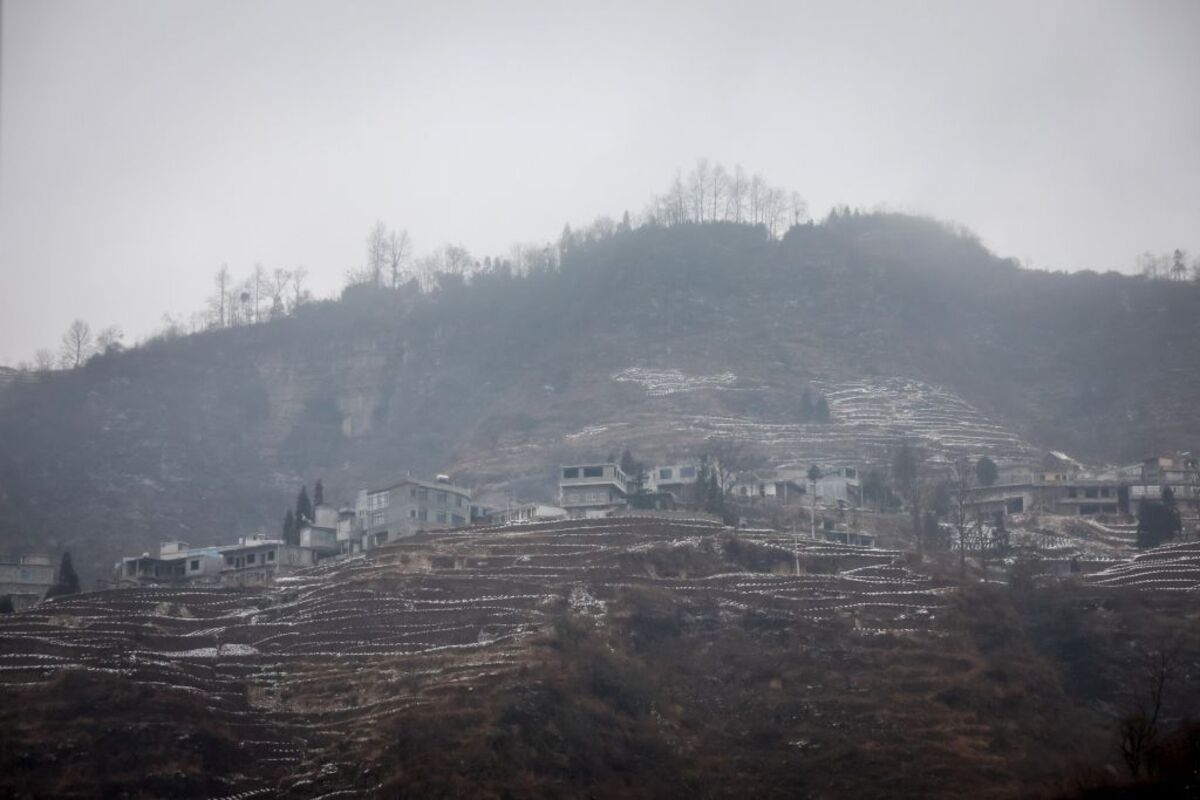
<point>592,490</point>
<point>408,506</point>
<point>26,580</point>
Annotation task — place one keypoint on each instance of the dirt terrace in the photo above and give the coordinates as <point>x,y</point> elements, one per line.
<point>302,674</point>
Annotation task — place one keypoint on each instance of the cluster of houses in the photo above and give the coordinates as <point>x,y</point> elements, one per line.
<point>409,506</point>
<point>1062,486</point>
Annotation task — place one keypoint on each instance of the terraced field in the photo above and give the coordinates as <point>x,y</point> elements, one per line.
<point>1169,567</point>
<point>303,674</point>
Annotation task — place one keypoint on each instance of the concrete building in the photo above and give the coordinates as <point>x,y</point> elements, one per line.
<point>773,488</point>
<point>407,506</point>
<point>254,560</point>
<point>1180,473</point>
<point>592,490</point>
<point>676,479</point>
<point>26,580</point>
<point>321,534</point>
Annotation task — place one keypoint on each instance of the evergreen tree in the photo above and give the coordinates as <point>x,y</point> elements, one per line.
<point>629,465</point>
<point>319,493</point>
<point>806,405</point>
<point>67,581</point>
<point>304,509</point>
<point>289,527</point>
<point>1158,520</point>
<point>985,471</point>
<point>821,411</point>
<point>715,500</point>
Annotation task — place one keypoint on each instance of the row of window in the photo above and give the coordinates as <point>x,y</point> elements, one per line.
<point>587,472</point>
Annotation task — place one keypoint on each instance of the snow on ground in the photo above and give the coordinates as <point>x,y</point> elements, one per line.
<point>660,382</point>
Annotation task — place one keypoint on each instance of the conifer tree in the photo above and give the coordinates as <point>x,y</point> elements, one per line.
<point>304,509</point>
<point>806,406</point>
<point>67,581</point>
<point>821,412</point>
<point>319,494</point>
<point>289,527</point>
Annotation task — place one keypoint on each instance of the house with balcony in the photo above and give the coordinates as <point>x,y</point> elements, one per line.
<point>592,490</point>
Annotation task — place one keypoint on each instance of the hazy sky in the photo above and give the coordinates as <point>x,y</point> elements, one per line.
<point>142,144</point>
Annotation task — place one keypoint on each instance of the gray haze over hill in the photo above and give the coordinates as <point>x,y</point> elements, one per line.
<point>143,144</point>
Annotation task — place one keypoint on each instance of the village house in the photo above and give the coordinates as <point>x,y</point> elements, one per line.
<point>592,490</point>
<point>26,580</point>
<point>408,506</point>
<point>526,512</point>
<point>254,560</point>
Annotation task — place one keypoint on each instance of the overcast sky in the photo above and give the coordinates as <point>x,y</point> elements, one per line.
<point>142,144</point>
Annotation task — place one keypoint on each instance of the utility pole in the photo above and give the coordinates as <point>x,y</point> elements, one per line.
<point>814,475</point>
<point>796,546</point>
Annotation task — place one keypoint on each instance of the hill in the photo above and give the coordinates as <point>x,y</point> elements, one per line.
<point>630,658</point>
<point>656,337</point>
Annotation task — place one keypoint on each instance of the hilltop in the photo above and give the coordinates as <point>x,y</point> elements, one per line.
<point>658,336</point>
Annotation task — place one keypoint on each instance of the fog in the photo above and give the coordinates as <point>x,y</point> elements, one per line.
<point>143,144</point>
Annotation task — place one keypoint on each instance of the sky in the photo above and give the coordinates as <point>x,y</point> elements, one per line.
<point>144,144</point>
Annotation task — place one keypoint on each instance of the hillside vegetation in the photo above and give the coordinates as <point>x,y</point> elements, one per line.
<point>496,378</point>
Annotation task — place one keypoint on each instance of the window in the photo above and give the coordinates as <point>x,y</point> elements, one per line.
<point>378,518</point>
<point>593,472</point>
<point>250,558</point>
<point>412,513</point>
<point>195,565</point>
<point>1091,493</point>
<point>441,517</point>
<point>423,515</point>
<point>458,501</point>
<point>422,494</point>
<point>664,474</point>
<point>270,555</point>
<point>458,520</point>
<point>687,472</point>
<point>1072,492</point>
<point>441,498</point>
<point>571,472</point>
<point>378,500</point>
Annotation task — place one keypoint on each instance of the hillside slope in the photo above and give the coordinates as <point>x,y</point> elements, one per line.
<point>657,338</point>
<point>606,658</point>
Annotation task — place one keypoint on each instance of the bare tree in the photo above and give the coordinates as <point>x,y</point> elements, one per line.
<point>799,209</point>
<point>1139,730</point>
<point>43,359</point>
<point>279,282</point>
<point>736,202</point>
<point>962,482</point>
<point>258,290</point>
<point>717,191</point>
<point>76,345</point>
<point>220,301</point>
<point>377,254</point>
<point>755,197</point>
<point>399,249</point>
<point>299,293</point>
<point>110,339</point>
<point>698,188</point>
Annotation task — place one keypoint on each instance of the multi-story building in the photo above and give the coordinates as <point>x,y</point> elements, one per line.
<point>26,580</point>
<point>1179,473</point>
<point>410,505</point>
<point>592,490</point>
<point>676,479</point>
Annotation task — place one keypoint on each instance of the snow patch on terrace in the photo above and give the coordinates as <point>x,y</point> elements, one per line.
<point>662,382</point>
